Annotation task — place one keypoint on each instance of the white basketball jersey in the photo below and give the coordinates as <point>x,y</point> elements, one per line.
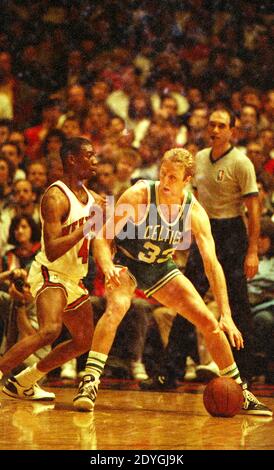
<point>74,263</point>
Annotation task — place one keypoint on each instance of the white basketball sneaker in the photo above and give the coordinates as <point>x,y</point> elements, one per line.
<point>12,388</point>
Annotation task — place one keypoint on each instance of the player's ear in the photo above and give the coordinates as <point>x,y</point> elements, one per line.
<point>71,160</point>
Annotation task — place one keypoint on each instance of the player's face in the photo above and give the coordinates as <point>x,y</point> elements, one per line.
<point>86,162</point>
<point>172,179</point>
<point>219,128</point>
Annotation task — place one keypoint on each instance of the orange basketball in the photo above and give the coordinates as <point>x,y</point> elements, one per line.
<point>223,397</point>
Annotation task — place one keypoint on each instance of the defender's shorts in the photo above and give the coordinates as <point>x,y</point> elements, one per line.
<point>40,278</point>
<point>148,277</point>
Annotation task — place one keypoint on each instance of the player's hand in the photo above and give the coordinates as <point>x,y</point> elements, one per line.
<point>112,276</point>
<point>251,265</point>
<point>235,336</point>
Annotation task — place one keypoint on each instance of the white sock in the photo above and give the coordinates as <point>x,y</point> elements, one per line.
<point>29,376</point>
<point>233,372</point>
<point>95,363</point>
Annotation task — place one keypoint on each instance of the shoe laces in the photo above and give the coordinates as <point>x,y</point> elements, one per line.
<point>89,386</point>
<point>249,397</point>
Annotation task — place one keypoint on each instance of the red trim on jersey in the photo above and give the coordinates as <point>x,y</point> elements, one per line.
<point>48,283</point>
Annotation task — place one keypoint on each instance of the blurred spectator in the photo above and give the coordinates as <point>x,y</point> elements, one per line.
<point>168,114</point>
<point>13,153</point>
<point>115,129</point>
<point>75,67</point>
<point>194,97</point>
<point>24,236</point>
<point>7,86</point>
<point>37,175</point>
<point>254,151</point>
<point>118,100</point>
<point>50,150</point>
<point>127,162</point>
<point>166,85</point>
<point>17,137</point>
<point>251,96</point>
<point>99,92</point>
<point>6,178</point>
<point>248,124</point>
<point>267,116</point>
<point>17,308</point>
<point>266,138</point>
<point>96,123</point>
<point>106,175</point>
<point>5,129</point>
<point>139,116</point>
<point>76,104</point>
<point>266,209</point>
<point>197,125</point>
<point>22,204</point>
<point>51,112</point>
<point>71,127</point>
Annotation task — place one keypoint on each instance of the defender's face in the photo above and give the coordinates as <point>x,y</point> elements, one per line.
<point>86,162</point>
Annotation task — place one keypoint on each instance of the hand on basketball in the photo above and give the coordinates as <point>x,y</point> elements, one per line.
<point>235,336</point>
<point>112,276</point>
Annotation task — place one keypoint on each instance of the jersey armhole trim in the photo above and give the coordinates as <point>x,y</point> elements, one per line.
<point>148,203</point>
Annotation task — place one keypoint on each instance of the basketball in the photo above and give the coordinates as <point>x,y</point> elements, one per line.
<point>223,397</point>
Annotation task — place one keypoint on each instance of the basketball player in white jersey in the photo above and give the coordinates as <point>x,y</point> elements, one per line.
<point>56,273</point>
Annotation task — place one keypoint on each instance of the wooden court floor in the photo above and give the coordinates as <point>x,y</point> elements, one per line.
<point>128,419</point>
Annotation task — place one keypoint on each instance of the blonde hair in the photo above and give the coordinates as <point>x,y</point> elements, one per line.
<point>183,157</point>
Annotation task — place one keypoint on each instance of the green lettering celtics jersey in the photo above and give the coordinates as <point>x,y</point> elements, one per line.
<point>154,239</point>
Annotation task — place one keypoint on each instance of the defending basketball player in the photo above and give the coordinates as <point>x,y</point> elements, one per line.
<point>55,276</point>
<point>150,220</point>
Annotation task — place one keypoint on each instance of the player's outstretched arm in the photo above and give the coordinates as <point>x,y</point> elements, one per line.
<point>202,231</point>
